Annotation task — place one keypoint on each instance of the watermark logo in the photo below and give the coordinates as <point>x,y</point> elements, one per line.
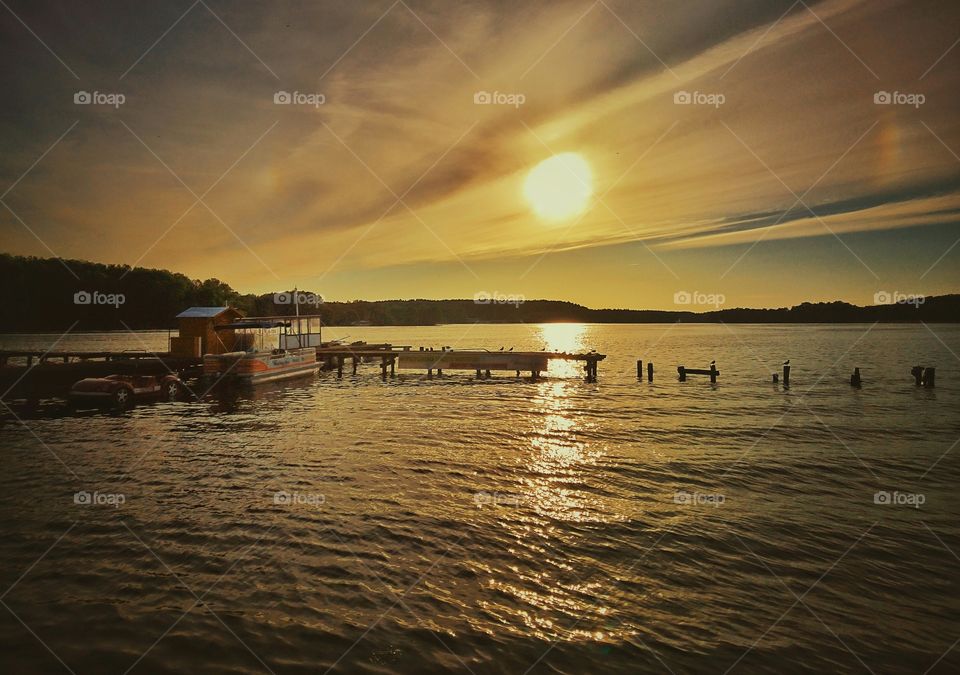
<point>916,500</point>
<point>98,98</point>
<point>698,499</point>
<point>698,298</point>
<point>698,98</point>
<point>898,98</point>
<point>98,298</point>
<point>499,98</point>
<point>898,298</point>
<point>498,298</point>
<point>496,499</point>
<point>297,298</point>
<point>285,498</point>
<point>299,98</point>
<point>95,498</point>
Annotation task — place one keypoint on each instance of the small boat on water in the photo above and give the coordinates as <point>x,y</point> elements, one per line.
<point>254,358</point>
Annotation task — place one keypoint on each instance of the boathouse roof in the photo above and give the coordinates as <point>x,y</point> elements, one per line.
<point>202,312</point>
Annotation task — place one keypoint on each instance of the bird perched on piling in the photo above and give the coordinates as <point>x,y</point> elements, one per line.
<point>713,363</point>
<point>787,362</point>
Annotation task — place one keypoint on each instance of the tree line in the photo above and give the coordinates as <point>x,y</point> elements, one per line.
<point>42,294</point>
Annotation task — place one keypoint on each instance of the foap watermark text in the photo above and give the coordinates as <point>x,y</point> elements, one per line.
<point>699,298</point>
<point>98,298</point>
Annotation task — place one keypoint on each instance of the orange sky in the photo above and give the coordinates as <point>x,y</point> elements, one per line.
<point>787,178</point>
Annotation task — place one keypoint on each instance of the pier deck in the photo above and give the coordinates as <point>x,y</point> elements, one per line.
<point>479,360</point>
<point>43,374</point>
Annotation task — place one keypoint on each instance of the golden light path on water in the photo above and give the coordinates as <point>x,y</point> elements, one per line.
<point>559,464</point>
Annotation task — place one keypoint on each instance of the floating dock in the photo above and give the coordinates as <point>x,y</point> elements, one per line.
<point>481,361</point>
<point>43,374</point>
<point>37,374</point>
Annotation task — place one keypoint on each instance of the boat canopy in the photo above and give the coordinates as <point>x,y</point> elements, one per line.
<point>252,324</point>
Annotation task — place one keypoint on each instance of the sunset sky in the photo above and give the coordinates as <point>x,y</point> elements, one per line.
<point>818,159</point>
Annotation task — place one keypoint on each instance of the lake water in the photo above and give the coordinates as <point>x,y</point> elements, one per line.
<point>503,526</point>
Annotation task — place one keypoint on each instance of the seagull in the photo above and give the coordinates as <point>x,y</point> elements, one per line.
<point>713,363</point>
<point>501,349</point>
<point>787,362</point>
<point>510,350</point>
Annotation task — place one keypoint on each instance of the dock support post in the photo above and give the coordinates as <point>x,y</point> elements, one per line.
<point>682,371</point>
<point>488,374</point>
<point>478,373</point>
<point>650,371</point>
<point>917,372</point>
<point>855,378</point>
<point>439,372</point>
<point>786,376</point>
<point>393,366</point>
<point>929,375</point>
<point>430,373</point>
<point>713,373</point>
<point>518,373</point>
<point>354,365</point>
<point>339,366</point>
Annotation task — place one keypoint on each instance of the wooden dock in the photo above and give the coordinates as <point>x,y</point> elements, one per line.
<point>35,374</point>
<point>482,362</point>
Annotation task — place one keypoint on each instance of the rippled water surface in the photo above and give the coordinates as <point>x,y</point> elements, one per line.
<point>503,525</point>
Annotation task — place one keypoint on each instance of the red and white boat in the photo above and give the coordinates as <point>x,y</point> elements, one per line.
<point>254,360</point>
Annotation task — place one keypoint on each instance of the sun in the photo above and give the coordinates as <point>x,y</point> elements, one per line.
<point>559,187</point>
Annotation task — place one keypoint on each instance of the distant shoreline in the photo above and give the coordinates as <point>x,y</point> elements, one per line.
<point>43,295</point>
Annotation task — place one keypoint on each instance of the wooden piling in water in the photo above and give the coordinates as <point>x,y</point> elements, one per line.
<point>640,369</point>
<point>786,375</point>
<point>855,378</point>
<point>713,373</point>
<point>650,371</point>
<point>682,372</point>
<point>929,375</point>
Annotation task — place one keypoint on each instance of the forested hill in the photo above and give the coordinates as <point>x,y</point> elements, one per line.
<point>41,294</point>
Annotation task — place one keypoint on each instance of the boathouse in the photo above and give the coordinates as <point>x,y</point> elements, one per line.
<point>198,331</point>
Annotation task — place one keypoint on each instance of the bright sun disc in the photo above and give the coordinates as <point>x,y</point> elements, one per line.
<point>560,186</point>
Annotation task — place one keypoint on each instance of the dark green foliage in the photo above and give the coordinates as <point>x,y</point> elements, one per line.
<point>39,296</point>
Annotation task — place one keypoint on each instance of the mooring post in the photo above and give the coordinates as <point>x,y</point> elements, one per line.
<point>713,373</point>
<point>917,372</point>
<point>929,375</point>
<point>786,375</point>
<point>639,369</point>
<point>855,378</point>
<point>682,371</point>
<point>649,371</point>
